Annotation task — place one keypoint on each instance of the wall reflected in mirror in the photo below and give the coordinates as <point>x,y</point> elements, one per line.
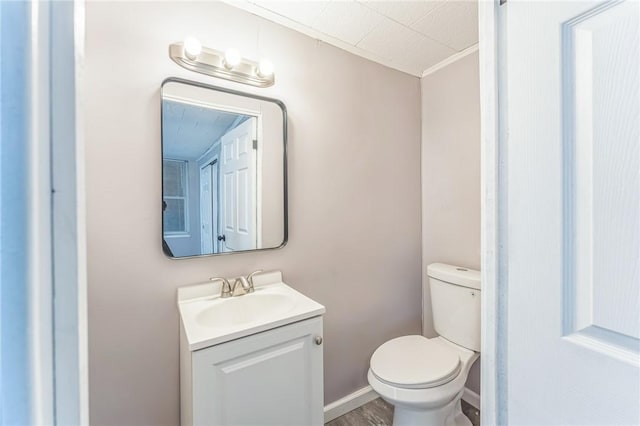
<point>223,171</point>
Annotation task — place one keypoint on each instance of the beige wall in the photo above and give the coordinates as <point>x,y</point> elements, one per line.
<point>451,174</point>
<point>354,199</point>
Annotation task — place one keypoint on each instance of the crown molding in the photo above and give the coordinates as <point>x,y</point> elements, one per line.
<point>451,59</point>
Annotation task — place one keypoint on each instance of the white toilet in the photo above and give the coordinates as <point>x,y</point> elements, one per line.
<point>424,378</point>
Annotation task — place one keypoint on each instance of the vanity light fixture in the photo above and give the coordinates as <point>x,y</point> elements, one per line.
<point>229,65</point>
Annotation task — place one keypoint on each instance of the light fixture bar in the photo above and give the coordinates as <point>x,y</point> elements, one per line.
<point>212,62</point>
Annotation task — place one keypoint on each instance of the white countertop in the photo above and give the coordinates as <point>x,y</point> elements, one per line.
<point>206,322</point>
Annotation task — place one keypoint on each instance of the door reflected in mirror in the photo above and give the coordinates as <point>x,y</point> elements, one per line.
<point>223,171</point>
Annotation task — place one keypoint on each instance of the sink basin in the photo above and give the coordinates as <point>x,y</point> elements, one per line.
<point>245,309</point>
<point>207,319</point>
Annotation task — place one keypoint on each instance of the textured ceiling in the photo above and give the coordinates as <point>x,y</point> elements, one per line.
<point>188,131</point>
<point>411,36</point>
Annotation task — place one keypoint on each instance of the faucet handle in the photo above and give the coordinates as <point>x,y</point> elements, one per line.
<point>244,286</point>
<point>226,286</point>
<point>250,279</point>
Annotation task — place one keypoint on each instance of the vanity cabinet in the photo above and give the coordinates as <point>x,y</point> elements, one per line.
<point>273,377</point>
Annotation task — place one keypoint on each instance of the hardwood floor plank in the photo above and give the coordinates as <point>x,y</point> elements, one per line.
<point>380,413</point>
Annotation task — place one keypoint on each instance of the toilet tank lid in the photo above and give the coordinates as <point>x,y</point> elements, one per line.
<point>458,275</point>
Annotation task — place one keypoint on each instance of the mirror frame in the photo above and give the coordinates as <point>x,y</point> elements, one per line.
<point>284,161</point>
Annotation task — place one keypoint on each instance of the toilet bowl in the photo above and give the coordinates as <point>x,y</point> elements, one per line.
<point>424,377</point>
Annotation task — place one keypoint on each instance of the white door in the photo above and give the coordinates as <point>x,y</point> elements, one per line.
<point>571,168</point>
<point>238,188</point>
<point>206,210</point>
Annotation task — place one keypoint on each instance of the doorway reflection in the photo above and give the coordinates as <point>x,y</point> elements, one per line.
<point>209,179</point>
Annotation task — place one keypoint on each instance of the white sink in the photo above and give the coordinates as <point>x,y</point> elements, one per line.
<point>244,309</point>
<point>209,320</point>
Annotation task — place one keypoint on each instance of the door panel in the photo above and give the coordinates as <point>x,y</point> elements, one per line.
<point>603,159</point>
<point>572,212</point>
<point>227,203</point>
<point>243,202</point>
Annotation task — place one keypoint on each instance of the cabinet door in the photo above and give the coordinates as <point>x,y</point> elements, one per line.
<point>270,378</point>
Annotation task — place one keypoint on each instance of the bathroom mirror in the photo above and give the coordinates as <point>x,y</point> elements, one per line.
<point>224,180</point>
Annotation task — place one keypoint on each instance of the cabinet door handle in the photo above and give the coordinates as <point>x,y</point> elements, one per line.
<point>318,340</point>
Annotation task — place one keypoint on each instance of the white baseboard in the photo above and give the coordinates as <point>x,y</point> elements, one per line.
<point>349,402</point>
<point>471,398</point>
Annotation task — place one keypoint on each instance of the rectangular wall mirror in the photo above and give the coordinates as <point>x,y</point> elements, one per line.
<point>224,180</point>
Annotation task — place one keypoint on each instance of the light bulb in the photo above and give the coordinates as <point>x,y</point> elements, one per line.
<point>231,58</point>
<point>265,68</point>
<point>192,47</point>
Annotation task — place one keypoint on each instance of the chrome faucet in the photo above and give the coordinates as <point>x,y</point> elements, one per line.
<point>245,285</point>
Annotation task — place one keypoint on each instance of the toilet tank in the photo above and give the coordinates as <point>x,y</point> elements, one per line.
<point>455,302</point>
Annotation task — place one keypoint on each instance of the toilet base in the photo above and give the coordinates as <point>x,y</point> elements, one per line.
<point>448,415</point>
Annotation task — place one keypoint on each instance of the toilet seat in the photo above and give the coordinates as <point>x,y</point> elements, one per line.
<point>415,362</point>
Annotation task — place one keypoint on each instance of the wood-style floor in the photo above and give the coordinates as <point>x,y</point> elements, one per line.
<point>380,413</point>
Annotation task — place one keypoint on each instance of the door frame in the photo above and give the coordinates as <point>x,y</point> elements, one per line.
<point>493,204</point>
<point>210,157</point>
<point>215,202</point>
<point>54,212</point>
<point>68,225</point>
<point>214,163</point>
<point>254,113</point>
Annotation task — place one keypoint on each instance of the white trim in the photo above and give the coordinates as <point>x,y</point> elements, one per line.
<point>68,214</point>
<point>168,236</point>
<point>208,157</point>
<point>258,138</point>
<point>493,384</point>
<point>79,14</point>
<point>471,398</point>
<point>210,105</point>
<point>451,59</point>
<point>2,399</point>
<point>211,161</point>
<point>39,255</point>
<point>349,403</point>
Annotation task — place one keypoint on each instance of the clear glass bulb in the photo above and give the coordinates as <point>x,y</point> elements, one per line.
<point>265,68</point>
<point>192,47</point>
<point>231,58</point>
